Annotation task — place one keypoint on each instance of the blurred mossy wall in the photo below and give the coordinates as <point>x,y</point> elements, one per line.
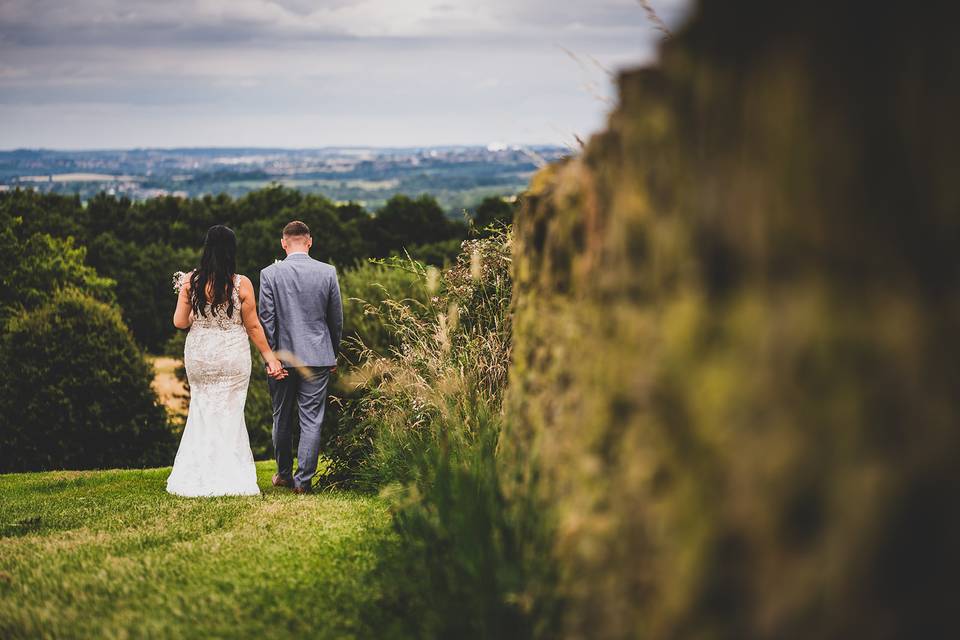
<point>736,355</point>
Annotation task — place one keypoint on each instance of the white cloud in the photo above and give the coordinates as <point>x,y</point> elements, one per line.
<point>126,21</point>
<point>207,72</point>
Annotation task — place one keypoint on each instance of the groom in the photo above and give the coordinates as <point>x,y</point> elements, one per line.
<point>301,313</point>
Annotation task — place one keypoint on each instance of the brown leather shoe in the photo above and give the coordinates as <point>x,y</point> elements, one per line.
<point>303,490</point>
<point>280,481</point>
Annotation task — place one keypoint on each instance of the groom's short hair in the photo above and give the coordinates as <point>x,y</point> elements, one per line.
<point>296,228</point>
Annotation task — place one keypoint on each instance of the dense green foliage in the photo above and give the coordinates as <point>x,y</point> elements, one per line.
<point>139,245</point>
<point>494,212</point>
<point>429,414</point>
<point>122,252</point>
<point>405,222</point>
<point>76,391</point>
<point>35,265</point>
<point>367,292</point>
<point>76,388</point>
<point>111,555</point>
<point>437,350</point>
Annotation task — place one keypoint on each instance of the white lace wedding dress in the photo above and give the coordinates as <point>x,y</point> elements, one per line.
<point>214,458</point>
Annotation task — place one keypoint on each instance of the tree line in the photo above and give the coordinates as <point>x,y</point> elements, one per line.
<point>139,245</point>
<point>85,289</point>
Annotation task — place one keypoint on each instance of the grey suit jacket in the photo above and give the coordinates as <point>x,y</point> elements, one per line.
<point>301,311</point>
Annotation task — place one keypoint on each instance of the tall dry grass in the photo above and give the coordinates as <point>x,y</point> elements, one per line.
<point>431,408</point>
<point>448,355</point>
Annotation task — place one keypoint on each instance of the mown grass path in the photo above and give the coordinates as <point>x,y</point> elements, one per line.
<point>110,554</point>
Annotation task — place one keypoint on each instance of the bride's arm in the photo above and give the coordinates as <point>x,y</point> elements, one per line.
<point>248,313</point>
<point>183,314</point>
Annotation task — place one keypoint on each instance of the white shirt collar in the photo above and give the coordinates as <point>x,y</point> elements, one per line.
<point>293,253</point>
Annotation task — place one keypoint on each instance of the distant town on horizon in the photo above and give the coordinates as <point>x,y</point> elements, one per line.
<point>458,175</point>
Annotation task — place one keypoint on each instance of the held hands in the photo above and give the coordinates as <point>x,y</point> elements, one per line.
<point>275,368</point>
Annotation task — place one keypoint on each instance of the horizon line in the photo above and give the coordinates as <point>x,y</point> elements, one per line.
<point>508,146</point>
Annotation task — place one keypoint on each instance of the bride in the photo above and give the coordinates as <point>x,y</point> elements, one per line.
<point>218,306</point>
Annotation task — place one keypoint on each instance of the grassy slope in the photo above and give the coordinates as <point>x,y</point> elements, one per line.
<point>111,554</point>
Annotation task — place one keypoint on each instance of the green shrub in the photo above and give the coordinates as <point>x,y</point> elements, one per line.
<point>141,270</point>
<point>438,254</point>
<point>347,436</point>
<point>77,391</point>
<point>404,222</point>
<point>460,556</point>
<point>41,265</point>
<point>366,290</point>
<point>456,341</point>
<point>430,411</point>
<point>493,213</point>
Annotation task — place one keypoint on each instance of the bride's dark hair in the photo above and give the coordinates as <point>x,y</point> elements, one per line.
<point>217,268</point>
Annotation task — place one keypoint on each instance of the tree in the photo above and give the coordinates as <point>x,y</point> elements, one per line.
<point>139,244</point>
<point>258,245</point>
<point>32,268</point>
<point>105,213</point>
<point>142,272</point>
<point>77,391</point>
<point>263,203</point>
<point>333,240</point>
<point>405,221</point>
<point>58,215</point>
<point>493,211</point>
<point>437,254</point>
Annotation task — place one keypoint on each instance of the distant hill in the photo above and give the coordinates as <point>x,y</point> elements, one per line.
<point>457,176</point>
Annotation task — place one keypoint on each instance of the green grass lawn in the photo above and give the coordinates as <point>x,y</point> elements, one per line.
<point>109,554</point>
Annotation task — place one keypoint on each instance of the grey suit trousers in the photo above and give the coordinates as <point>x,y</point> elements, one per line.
<point>309,396</point>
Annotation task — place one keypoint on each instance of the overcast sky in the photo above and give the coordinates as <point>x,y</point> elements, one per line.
<point>308,73</point>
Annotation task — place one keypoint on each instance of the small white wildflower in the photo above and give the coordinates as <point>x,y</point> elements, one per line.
<point>443,336</point>
<point>453,315</point>
<point>433,279</point>
<point>476,265</point>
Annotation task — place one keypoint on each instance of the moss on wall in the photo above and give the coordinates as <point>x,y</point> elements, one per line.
<point>736,360</point>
